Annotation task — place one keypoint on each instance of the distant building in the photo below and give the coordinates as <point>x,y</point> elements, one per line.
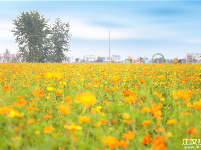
<point>105,58</point>
<point>146,60</point>
<point>196,56</point>
<point>9,57</point>
<point>88,58</point>
<point>115,58</point>
<point>136,61</point>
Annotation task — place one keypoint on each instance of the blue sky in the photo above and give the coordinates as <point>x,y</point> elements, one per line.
<point>137,28</point>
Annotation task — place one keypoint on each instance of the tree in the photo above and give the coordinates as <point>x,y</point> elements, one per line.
<point>162,60</point>
<point>31,30</point>
<point>7,55</point>
<point>76,59</point>
<point>189,58</point>
<point>141,59</point>
<point>59,36</point>
<point>99,59</point>
<point>82,60</point>
<point>156,60</point>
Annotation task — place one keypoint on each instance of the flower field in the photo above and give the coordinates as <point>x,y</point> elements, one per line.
<point>92,106</point>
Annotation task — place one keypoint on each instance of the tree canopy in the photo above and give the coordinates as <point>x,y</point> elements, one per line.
<point>99,59</point>
<point>37,41</point>
<point>60,35</point>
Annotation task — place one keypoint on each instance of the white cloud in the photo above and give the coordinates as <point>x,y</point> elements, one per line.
<point>5,26</point>
<point>80,29</point>
<point>193,40</point>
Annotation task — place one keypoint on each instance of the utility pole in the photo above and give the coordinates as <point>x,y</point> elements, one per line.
<point>109,45</point>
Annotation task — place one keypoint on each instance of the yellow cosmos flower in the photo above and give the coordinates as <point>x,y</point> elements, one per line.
<point>84,119</point>
<point>126,116</point>
<point>50,88</point>
<point>169,134</point>
<point>51,75</point>
<point>172,121</point>
<point>73,127</point>
<point>85,98</point>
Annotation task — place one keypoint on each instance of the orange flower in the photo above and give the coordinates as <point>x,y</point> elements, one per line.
<point>129,121</point>
<point>84,119</point>
<point>106,102</point>
<point>156,107</point>
<point>99,123</point>
<point>129,135</point>
<point>160,76</point>
<point>68,100</point>
<point>146,122</point>
<point>157,94</point>
<point>159,147</point>
<point>193,131</point>
<point>46,116</point>
<point>142,81</point>
<point>157,114</point>
<point>113,121</point>
<point>6,87</point>
<point>130,99</point>
<point>158,142</point>
<point>48,129</point>
<point>172,121</point>
<point>20,101</point>
<point>73,127</point>
<point>122,143</point>
<point>38,93</point>
<point>31,121</point>
<point>160,129</point>
<point>59,92</point>
<point>86,98</point>
<point>110,141</point>
<point>128,92</point>
<point>104,121</point>
<point>5,110</point>
<point>147,139</point>
<point>73,83</point>
<point>182,94</point>
<point>64,109</point>
<point>145,109</point>
<point>197,105</point>
<point>143,96</point>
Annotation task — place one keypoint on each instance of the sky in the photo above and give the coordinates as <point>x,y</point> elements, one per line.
<point>137,28</point>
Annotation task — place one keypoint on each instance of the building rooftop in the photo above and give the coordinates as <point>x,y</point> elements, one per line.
<point>194,53</point>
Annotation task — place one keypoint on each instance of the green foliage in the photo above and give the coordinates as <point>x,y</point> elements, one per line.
<point>99,59</point>
<point>30,31</point>
<point>76,59</point>
<point>159,60</point>
<point>37,42</point>
<point>59,36</point>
